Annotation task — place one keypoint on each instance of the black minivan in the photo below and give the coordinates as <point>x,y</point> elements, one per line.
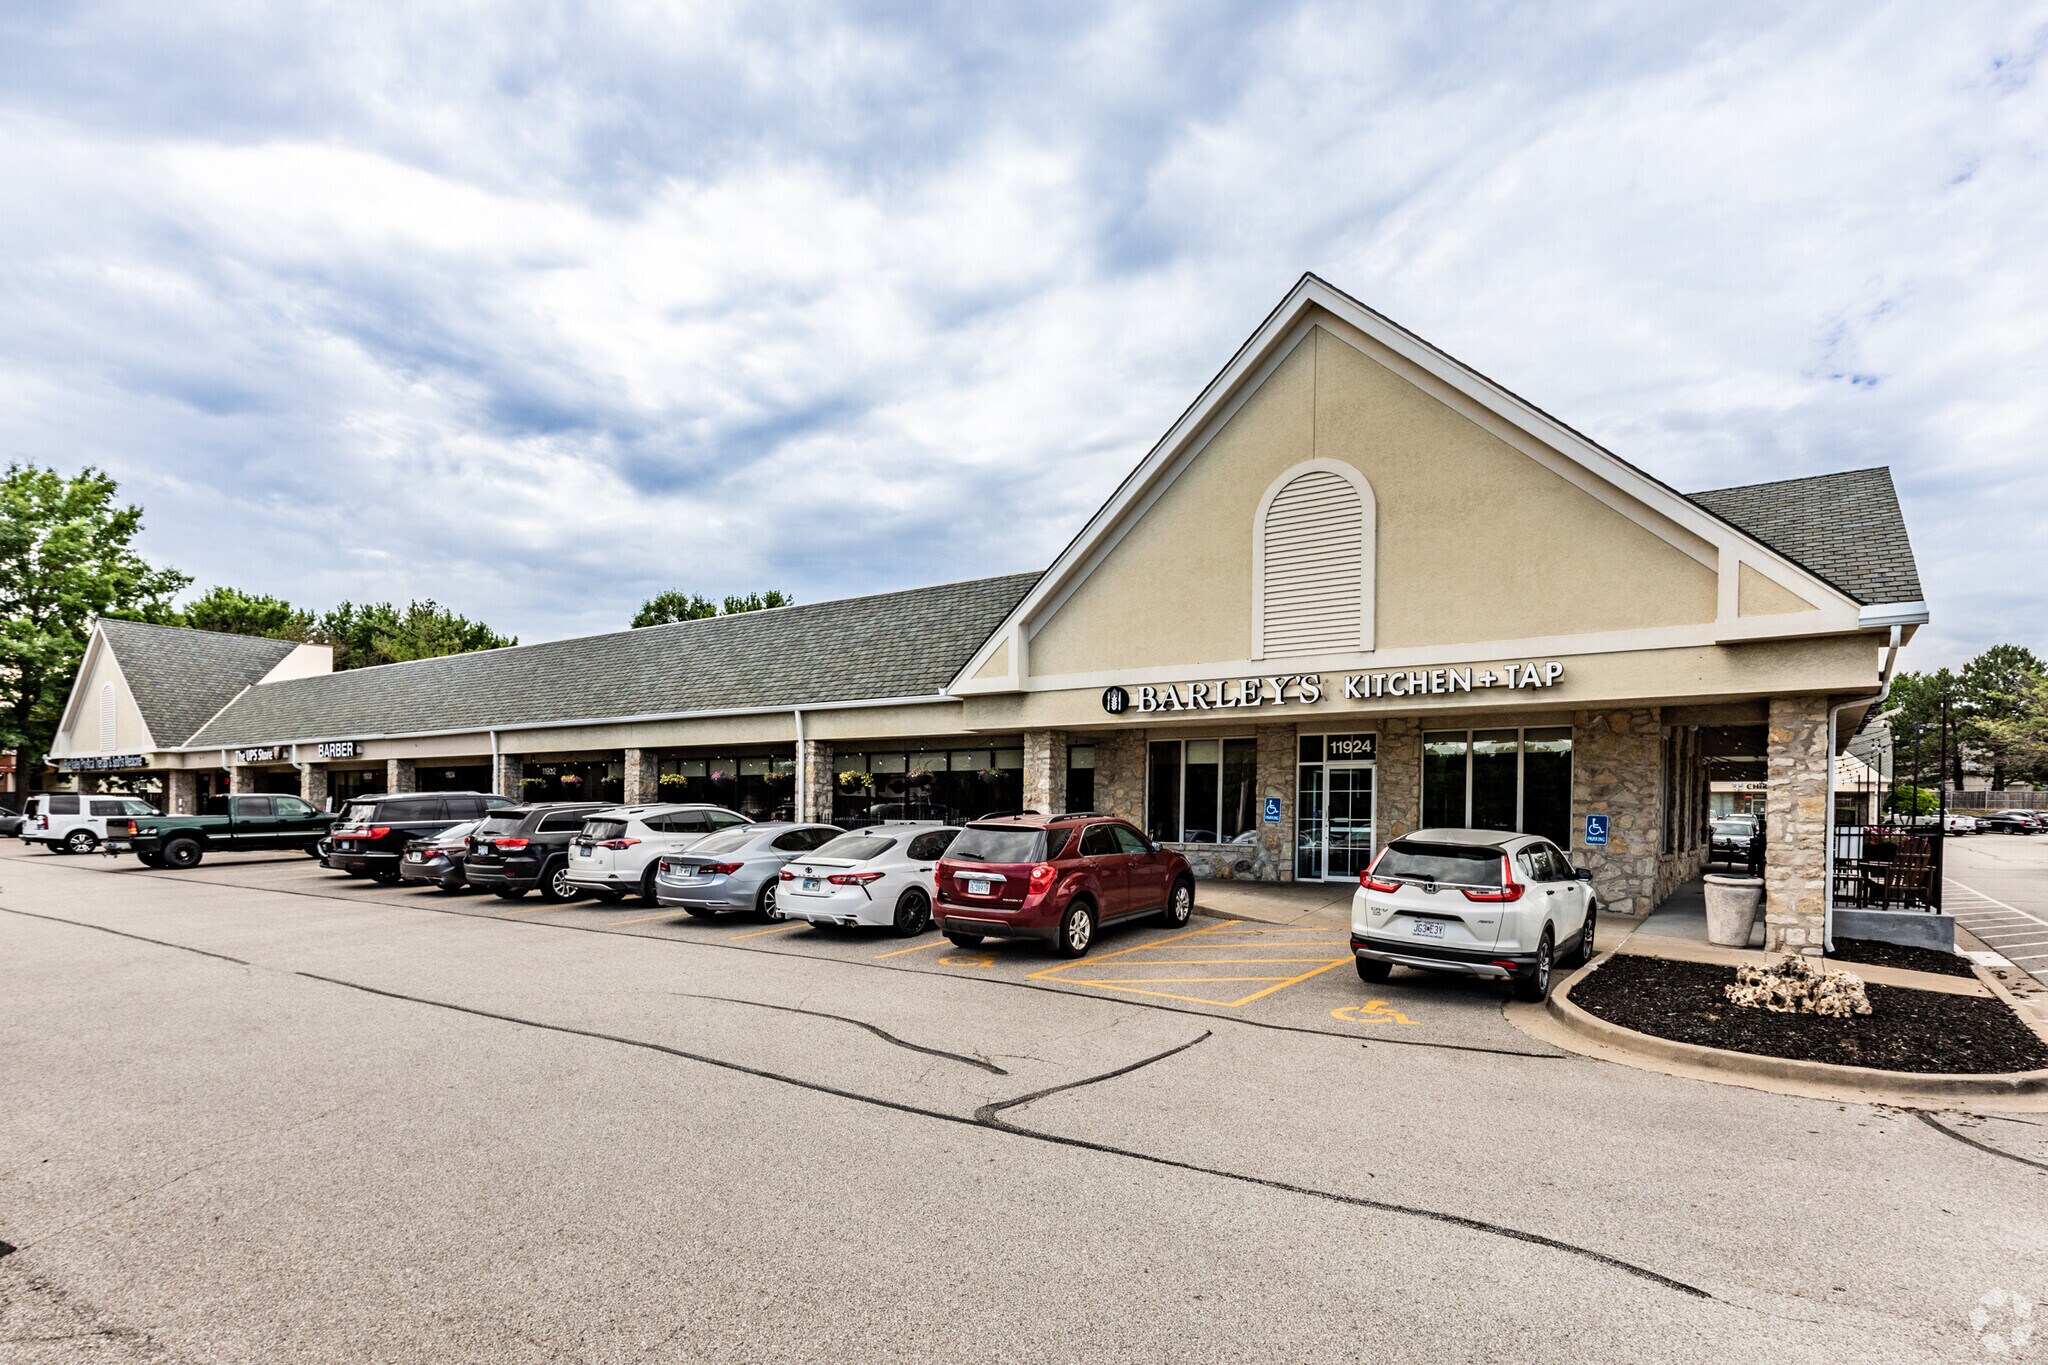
<point>370,837</point>
<point>524,848</point>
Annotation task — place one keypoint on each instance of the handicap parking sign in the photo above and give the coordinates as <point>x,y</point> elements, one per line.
<point>1596,830</point>
<point>1272,810</point>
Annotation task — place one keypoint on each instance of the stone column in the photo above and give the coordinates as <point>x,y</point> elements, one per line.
<point>85,782</point>
<point>241,778</point>
<point>1120,775</point>
<point>181,791</point>
<point>1796,826</point>
<point>1278,757</point>
<point>505,776</point>
<point>643,777</point>
<point>815,781</point>
<point>1045,771</point>
<point>1399,774</point>
<point>313,785</point>
<point>1617,771</point>
<point>400,776</point>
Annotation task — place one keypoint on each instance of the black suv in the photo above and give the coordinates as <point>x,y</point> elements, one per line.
<point>523,848</point>
<point>370,836</point>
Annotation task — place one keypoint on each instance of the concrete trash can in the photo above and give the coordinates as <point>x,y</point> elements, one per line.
<point>1731,908</point>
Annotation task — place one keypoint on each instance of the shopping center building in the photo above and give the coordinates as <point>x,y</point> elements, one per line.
<point>1356,590</point>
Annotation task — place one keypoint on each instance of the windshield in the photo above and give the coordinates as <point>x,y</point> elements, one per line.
<point>1736,828</point>
<point>1447,864</point>
<point>137,808</point>
<point>855,848</point>
<point>726,841</point>
<point>997,844</point>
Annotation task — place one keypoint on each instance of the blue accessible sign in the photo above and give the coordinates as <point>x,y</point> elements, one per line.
<point>1272,810</point>
<point>1596,831</point>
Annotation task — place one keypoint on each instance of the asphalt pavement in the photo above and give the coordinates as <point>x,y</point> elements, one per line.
<point>1996,885</point>
<point>260,1112</point>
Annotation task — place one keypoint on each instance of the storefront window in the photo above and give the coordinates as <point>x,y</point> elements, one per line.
<point>942,785</point>
<point>1202,791</point>
<point>1308,806</point>
<point>1515,780</point>
<point>758,786</point>
<point>1080,776</point>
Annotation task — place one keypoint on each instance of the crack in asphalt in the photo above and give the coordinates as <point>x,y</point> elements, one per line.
<point>875,1029</point>
<point>1554,1056</point>
<point>1946,1131</point>
<point>995,1124</point>
<point>122,933</point>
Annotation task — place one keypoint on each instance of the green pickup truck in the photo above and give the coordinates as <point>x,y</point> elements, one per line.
<point>225,824</point>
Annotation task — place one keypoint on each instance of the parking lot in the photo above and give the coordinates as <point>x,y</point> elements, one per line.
<point>1997,888</point>
<point>261,1111</point>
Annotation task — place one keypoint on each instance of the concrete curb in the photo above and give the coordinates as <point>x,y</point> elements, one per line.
<point>1819,1079</point>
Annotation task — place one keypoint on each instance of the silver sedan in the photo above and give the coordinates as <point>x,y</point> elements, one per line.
<point>735,870</point>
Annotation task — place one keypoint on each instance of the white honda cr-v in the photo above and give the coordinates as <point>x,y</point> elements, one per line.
<point>1473,901</point>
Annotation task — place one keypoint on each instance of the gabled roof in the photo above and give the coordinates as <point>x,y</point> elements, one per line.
<point>1845,528</point>
<point>180,678</point>
<point>895,645</point>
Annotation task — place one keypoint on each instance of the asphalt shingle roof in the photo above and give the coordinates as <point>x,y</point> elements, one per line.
<point>1845,528</point>
<point>180,678</point>
<point>896,644</point>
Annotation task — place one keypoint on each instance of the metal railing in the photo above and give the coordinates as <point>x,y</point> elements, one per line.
<point>1888,867</point>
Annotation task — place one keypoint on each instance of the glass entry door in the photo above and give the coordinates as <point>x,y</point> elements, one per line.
<point>1347,821</point>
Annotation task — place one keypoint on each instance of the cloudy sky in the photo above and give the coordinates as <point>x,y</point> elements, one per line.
<point>540,308</point>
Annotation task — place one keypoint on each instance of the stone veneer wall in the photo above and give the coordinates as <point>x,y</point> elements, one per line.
<point>1120,775</point>
<point>181,791</point>
<point>1045,771</point>
<point>400,776</point>
<point>1399,775</point>
<point>313,785</point>
<point>1617,759</point>
<point>505,775</point>
<point>643,777</point>
<point>242,778</point>
<point>1796,825</point>
<point>816,782</point>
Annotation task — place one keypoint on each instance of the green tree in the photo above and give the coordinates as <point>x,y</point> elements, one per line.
<point>1995,692</point>
<point>2019,739</point>
<point>65,557</point>
<point>1910,800</point>
<point>381,633</point>
<point>666,608</point>
<point>1915,707</point>
<point>241,613</point>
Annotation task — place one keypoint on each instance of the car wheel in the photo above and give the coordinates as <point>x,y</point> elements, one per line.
<point>315,854</point>
<point>555,885</point>
<point>647,892</point>
<point>1373,970</point>
<point>1584,952</point>
<point>1534,987</point>
<point>913,914</point>
<point>1181,906</point>
<point>964,940</point>
<point>765,906</point>
<point>1077,931</point>
<point>81,841</point>
<point>151,859</point>
<point>510,893</point>
<point>182,853</point>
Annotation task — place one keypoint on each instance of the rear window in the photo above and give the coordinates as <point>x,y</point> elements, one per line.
<point>455,834</point>
<point>358,813</point>
<point>604,829</point>
<point>62,805</point>
<point>726,841</point>
<point>501,824</point>
<point>1448,864</point>
<point>997,844</point>
<point>856,848</point>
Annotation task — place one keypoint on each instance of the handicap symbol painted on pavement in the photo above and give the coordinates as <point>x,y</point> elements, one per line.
<point>1371,1012</point>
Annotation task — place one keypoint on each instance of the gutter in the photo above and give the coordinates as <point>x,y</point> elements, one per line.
<point>803,783</point>
<point>1891,659</point>
<point>1893,614</point>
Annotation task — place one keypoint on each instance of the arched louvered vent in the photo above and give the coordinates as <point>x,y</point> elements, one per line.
<point>110,721</point>
<point>1315,563</point>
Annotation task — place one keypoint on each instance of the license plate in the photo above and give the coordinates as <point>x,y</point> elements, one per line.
<point>810,883</point>
<point>1429,928</point>
<point>414,858</point>
<point>584,846</point>
<point>978,886</point>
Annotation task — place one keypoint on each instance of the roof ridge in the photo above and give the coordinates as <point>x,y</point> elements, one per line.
<point>1883,469</point>
<point>195,630</point>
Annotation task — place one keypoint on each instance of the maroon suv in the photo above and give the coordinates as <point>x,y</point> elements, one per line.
<point>1057,878</point>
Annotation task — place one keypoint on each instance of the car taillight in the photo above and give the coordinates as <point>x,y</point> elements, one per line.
<point>787,875</point>
<point>509,843</point>
<point>1510,889</point>
<point>853,878</point>
<point>373,832</point>
<point>618,843</point>
<point>1042,877</point>
<point>1372,883</point>
<point>721,869</point>
<point>131,827</point>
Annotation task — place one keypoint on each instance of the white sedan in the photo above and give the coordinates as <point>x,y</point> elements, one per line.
<point>881,875</point>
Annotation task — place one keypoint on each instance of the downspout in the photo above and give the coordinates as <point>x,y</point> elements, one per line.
<point>803,780</point>
<point>494,767</point>
<point>1877,698</point>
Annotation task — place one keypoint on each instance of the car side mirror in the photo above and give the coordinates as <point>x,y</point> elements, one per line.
<point>1584,874</point>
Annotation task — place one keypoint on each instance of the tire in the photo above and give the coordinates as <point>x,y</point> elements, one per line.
<point>964,940</point>
<point>509,893</point>
<point>1180,905</point>
<point>1372,971</point>
<point>81,841</point>
<point>1077,930</point>
<point>647,892</point>
<point>314,853</point>
<point>1583,954</point>
<point>183,853</point>
<point>765,905</point>
<point>913,914</point>
<point>1534,988</point>
<point>554,884</point>
<point>155,859</point>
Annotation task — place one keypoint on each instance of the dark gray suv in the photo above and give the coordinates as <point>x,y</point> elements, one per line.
<point>526,848</point>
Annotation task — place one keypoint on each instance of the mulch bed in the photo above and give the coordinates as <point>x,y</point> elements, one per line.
<point>1906,1030</point>
<point>1899,955</point>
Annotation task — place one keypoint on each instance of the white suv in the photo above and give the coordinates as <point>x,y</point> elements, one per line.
<point>617,850</point>
<point>1476,902</point>
<point>881,875</point>
<point>73,822</point>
